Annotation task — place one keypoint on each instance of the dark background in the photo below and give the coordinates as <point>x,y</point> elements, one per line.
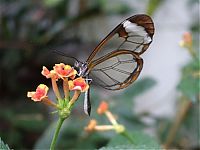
<point>30,30</point>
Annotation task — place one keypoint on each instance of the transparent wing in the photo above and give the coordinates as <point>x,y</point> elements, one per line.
<point>134,34</point>
<point>116,70</point>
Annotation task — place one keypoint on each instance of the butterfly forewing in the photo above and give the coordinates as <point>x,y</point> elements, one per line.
<point>115,63</point>
<point>134,34</point>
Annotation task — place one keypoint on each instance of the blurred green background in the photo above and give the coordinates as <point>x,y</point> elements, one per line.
<point>29,32</point>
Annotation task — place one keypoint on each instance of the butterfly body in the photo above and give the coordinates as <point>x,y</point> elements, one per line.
<point>82,68</point>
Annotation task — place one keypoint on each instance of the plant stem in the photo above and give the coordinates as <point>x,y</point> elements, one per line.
<point>55,88</point>
<point>74,98</point>
<point>184,108</point>
<point>111,118</point>
<point>59,124</point>
<point>192,52</point>
<point>66,88</point>
<point>126,135</point>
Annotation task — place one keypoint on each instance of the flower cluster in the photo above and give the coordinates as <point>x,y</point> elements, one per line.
<point>104,109</point>
<point>186,40</point>
<point>67,74</point>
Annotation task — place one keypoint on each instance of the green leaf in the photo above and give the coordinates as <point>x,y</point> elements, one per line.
<point>141,141</point>
<point>3,146</point>
<point>189,84</point>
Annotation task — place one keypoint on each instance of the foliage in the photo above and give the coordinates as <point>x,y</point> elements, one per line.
<point>21,123</point>
<point>141,141</point>
<point>3,146</point>
<point>190,127</point>
<point>184,131</point>
<point>189,84</point>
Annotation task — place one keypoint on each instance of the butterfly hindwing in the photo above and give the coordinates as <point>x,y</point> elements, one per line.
<point>116,70</point>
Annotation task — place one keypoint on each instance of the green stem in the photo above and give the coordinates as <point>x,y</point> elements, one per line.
<point>126,135</point>
<point>53,142</point>
<point>192,52</point>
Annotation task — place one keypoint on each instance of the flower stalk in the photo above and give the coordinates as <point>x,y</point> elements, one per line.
<point>49,102</point>
<point>74,98</point>
<point>55,89</point>
<point>58,127</point>
<point>66,88</point>
<point>111,117</point>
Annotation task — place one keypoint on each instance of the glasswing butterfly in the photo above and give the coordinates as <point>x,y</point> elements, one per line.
<point>116,68</point>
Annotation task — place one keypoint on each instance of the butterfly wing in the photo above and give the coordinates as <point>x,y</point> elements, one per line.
<point>116,68</point>
<point>134,34</point>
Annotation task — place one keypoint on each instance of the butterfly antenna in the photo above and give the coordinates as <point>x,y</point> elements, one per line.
<point>63,54</point>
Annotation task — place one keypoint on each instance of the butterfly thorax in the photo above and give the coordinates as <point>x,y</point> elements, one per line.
<point>82,68</point>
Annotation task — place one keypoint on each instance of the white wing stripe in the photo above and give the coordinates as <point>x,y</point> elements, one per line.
<point>139,30</point>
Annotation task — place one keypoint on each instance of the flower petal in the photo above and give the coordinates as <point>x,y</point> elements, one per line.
<point>103,107</point>
<point>45,72</point>
<point>78,84</point>
<point>63,70</point>
<point>30,94</point>
<point>39,94</point>
<point>187,38</point>
<point>49,74</point>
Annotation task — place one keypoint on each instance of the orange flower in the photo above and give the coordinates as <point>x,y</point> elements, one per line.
<point>39,94</point>
<point>78,84</point>
<point>186,40</point>
<point>49,74</point>
<point>63,70</point>
<point>103,107</point>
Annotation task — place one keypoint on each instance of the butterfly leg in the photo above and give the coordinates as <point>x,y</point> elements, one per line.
<point>87,104</point>
<point>89,81</point>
